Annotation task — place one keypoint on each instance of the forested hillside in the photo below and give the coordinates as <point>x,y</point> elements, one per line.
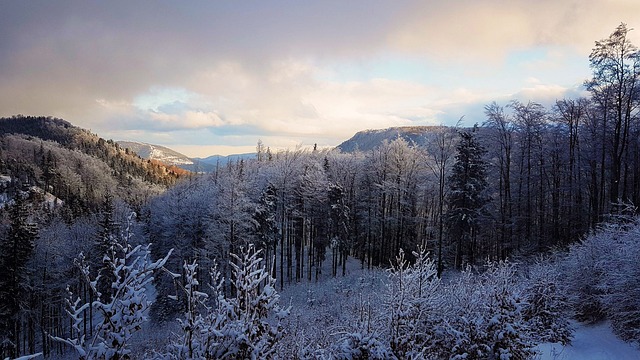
<point>76,166</point>
<point>475,242</point>
<point>368,140</point>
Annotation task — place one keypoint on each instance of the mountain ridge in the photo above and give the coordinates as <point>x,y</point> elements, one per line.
<point>367,140</point>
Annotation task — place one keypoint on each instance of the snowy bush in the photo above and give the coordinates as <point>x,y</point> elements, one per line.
<point>602,275</point>
<point>365,339</point>
<point>359,346</point>
<point>585,269</point>
<point>462,334</point>
<point>124,313</point>
<point>246,326</point>
<point>621,296</point>
<point>482,317</point>
<point>507,331</point>
<point>546,305</point>
<point>412,293</point>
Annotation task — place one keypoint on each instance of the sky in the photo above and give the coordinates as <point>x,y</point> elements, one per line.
<point>214,77</point>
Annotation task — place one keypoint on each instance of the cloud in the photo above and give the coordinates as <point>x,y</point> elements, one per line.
<point>288,71</point>
<point>472,30</point>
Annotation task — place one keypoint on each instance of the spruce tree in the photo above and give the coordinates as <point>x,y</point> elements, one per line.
<point>104,247</point>
<point>467,197</point>
<point>16,249</point>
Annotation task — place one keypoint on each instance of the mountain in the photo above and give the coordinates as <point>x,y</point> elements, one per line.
<point>370,139</point>
<point>171,157</point>
<point>156,152</point>
<point>74,165</point>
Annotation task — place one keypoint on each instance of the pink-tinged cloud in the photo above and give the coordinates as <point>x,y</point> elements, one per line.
<point>228,73</point>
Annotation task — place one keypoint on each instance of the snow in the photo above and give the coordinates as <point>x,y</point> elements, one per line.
<point>159,154</point>
<point>590,342</point>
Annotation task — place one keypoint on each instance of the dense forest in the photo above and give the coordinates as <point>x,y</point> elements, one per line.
<point>446,212</point>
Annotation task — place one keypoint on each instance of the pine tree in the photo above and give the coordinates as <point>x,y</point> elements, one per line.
<point>16,250</point>
<point>467,197</point>
<point>104,246</point>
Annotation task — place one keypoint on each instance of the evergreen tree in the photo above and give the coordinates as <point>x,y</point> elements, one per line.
<point>265,219</point>
<point>104,246</point>
<point>16,249</point>
<point>467,197</point>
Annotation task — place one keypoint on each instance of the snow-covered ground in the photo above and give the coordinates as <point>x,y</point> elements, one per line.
<point>591,342</point>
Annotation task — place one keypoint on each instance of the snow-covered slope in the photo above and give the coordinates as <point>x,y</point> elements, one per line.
<point>172,157</point>
<point>157,152</point>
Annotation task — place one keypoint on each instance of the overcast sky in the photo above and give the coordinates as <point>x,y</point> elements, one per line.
<point>213,77</point>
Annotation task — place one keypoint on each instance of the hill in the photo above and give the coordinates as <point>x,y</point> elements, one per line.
<point>156,152</point>
<point>75,165</point>
<point>370,139</point>
<point>171,157</point>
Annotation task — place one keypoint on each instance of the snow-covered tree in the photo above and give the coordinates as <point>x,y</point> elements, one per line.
<point>105,245</point>
<point>246,326</point>
<point>123,313</point>
<point>192,341</point>
<point>15,251</point>
<point>412,299</point>
<point>265,219</point>
<point>467,197</point>
<point>545,308</point>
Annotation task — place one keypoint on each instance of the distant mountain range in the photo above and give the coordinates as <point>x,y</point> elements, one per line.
<point>171,157</point>
<point>222,159</point>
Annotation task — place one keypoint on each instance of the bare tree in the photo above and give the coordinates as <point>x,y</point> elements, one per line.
<point>615,63</point>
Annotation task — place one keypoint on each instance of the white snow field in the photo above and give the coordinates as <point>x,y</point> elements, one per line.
<point>591,342</point>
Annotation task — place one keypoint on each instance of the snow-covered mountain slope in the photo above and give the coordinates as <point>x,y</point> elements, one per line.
<point>157,152</point>
<point>171,157</point>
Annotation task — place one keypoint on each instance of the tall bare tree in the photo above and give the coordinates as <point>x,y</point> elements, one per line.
<point>615,63</point>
